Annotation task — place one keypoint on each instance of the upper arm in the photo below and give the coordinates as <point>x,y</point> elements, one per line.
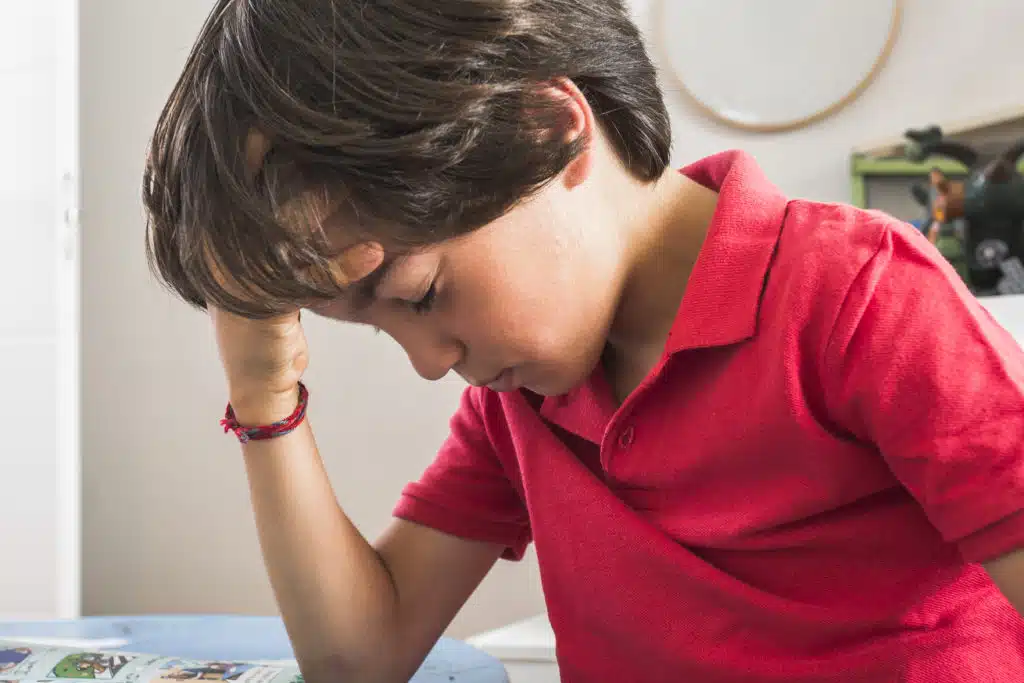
<point>917,367</point>
<point>1008,574</point>
<point>434,574</point>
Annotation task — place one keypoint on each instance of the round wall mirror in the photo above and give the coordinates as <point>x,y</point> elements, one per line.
<point>778,65</point>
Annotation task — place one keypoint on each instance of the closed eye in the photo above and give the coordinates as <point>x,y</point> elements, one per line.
<point>426,303</point>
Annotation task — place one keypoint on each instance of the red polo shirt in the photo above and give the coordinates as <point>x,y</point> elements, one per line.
<point>797,492</point>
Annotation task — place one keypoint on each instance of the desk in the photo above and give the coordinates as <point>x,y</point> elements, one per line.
<point>526,648</point>
<point>217,637</point>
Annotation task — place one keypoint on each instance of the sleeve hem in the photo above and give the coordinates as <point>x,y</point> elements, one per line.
<point>995,540</point>
<point>419,510</point>
<point>967,516</point>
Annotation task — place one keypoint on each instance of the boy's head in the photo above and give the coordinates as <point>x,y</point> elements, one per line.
<point>466,151</point>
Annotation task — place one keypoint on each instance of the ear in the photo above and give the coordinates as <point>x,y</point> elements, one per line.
<point>580,123</point>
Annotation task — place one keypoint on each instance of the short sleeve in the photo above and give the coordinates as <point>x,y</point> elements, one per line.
<point>466,491</point>
<point>918,367</point>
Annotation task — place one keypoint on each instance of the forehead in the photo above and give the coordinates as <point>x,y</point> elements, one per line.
<point>354,257</point>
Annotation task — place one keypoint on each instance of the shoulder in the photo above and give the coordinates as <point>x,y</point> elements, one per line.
<point>832,243</point>
<point>828,253</point>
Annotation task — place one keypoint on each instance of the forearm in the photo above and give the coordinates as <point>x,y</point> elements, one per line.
<point>334,592</point>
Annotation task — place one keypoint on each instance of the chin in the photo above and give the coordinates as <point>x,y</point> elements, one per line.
<point>552,386</point>
<point>552,392</point>
<point>552,375</point>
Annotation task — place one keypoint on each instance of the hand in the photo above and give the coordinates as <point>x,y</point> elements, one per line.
<point>263,361</point>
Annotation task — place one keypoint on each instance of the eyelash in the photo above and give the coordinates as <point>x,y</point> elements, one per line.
<point>423,306</point>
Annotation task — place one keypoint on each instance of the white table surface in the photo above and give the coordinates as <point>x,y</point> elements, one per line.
<point>529,640</point>
<point>1009,312</point>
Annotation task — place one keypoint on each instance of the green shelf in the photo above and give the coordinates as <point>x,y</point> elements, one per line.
<point>902,167</point>
<point>863,167</point>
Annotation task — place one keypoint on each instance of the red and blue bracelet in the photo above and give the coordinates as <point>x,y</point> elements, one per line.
<point>261,433</point>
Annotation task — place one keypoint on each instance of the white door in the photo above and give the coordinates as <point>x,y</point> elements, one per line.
<point>39,465</point>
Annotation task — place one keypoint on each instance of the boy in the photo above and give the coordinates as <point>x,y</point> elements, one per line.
<point>753,439</point>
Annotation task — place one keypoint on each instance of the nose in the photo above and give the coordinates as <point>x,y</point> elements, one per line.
<point>433,358</point>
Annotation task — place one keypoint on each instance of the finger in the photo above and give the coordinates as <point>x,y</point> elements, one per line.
<point>257,145</point>
<point>356,262</point>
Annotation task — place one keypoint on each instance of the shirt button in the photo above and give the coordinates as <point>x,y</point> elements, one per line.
<point>626,437</point>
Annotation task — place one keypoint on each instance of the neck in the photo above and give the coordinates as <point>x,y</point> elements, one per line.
<point>663,236</point>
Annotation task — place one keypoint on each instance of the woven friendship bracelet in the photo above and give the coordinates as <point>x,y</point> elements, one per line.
<point>263,432</point>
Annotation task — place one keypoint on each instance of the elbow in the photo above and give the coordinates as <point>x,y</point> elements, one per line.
<point>341,669</point>
<point>336,669</point>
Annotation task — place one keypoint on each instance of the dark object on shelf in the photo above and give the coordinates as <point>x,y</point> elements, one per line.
<point>990,200</point>
<point>1013,283</point>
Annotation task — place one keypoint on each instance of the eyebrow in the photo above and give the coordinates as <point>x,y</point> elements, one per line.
<point>366,290</point>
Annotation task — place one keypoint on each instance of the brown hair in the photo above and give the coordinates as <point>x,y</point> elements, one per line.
<point>411,121</point>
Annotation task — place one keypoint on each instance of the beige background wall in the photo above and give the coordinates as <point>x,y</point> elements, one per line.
<point>167,526</point>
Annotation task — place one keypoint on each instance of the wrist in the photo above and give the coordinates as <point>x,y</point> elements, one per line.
<point>262,407</point>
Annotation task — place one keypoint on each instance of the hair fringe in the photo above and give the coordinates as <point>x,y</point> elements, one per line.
<point>404,121</point>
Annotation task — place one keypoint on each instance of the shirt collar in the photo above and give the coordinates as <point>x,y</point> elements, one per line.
<point>723,295</point>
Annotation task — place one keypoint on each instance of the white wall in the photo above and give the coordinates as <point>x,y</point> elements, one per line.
<point>39,513</point>
<point>167,524</point>
<point>953,60</point>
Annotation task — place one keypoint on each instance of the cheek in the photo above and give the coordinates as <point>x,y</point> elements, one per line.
<point>520,326</point>
<point>571,328</point>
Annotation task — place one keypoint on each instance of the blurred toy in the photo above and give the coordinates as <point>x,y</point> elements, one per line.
<point>943,222</point>
<point>988,203</point>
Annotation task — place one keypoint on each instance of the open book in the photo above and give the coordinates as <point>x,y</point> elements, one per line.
<point>23,662</point>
